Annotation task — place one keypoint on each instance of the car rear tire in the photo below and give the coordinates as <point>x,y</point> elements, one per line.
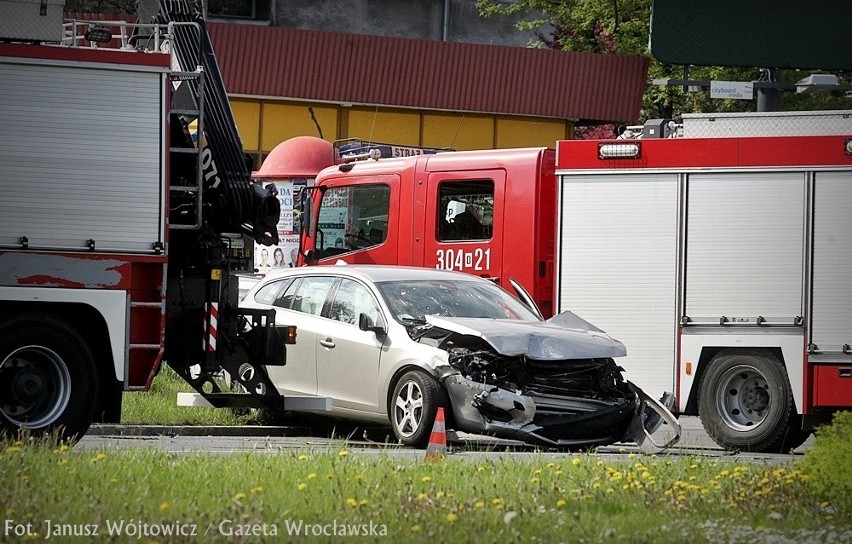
<point>745,403</point>
<point>48,380</point>
<point>413,406</point>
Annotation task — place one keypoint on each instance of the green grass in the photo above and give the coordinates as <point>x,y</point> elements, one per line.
<point>158,406</point>
<point>575,499</point>
<point>582,498</point>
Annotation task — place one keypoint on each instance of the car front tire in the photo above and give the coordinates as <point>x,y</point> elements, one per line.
<point>413,406</point>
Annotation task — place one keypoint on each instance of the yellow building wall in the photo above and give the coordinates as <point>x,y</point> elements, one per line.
<point>263,124</point>
<point>281,121</point>
<point>247,116</point>
<point>397,127</point>
<point>527,132</point>
<point>461,132</point>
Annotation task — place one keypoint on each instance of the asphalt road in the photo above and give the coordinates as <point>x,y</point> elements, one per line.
<point>225,440</point>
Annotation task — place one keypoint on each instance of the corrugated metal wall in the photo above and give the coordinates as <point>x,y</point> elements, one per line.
<point>424,74</point>
<point>286,82</point>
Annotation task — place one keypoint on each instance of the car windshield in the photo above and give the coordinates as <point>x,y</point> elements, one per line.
<point>412,300</point>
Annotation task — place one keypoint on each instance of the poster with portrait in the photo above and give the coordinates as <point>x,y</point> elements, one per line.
<point>285,254</point>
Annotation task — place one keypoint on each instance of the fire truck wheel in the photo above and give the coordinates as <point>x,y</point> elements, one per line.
<point>745,402</point>
<point>413,406</point>
<point>48,382</point>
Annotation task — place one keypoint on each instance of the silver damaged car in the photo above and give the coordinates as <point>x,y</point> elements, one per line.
<point>391,344</point>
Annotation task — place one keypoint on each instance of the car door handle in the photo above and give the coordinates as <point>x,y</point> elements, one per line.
<point>327,343</point>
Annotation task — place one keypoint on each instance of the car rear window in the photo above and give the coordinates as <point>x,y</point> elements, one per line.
<point>267,293</point>
<point>312,294</point>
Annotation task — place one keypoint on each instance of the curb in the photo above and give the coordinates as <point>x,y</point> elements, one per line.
<point>184,430</point>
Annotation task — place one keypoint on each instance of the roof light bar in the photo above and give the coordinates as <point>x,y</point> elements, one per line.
<point>632,150</point>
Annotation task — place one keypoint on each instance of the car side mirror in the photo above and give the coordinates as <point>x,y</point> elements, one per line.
<point>365,323</point>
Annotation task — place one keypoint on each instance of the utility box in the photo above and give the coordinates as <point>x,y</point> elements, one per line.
<point>31,20</point>
<point>658,128</point>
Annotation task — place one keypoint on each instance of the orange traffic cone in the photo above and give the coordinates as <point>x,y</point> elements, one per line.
<point>437,447</point>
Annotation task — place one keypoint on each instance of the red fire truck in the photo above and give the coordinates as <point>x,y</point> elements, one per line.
<point>127,207</point>
<point>719,255</point>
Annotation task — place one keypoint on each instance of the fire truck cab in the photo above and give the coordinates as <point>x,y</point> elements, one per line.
<point>488,213</point>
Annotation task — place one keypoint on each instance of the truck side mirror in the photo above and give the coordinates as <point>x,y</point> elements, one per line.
<point>365,323</point>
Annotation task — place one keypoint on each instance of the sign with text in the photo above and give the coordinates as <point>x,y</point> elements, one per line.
<point>739,90</point>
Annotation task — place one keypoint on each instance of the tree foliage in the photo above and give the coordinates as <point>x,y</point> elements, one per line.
<point>623,27</point>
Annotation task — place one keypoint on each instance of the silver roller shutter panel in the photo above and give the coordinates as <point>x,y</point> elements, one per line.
<point>82,150</point>
<point>831,321</point>
<point>617,266</point>
<point>745,246</point>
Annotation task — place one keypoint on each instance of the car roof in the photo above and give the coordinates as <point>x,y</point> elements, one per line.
<point>374,273</point>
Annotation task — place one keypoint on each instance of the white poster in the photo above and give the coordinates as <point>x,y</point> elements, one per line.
<point>332,222</point>
<point>285,254</point>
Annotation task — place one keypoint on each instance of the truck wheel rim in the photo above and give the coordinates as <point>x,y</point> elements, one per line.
<point>743,398</point>
<point>408,409</point>
<point>36,387</point>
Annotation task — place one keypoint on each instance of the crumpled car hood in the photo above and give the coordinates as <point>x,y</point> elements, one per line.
<point>556,339</point>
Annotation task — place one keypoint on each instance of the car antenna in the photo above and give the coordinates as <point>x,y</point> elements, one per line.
<point>458,129</point>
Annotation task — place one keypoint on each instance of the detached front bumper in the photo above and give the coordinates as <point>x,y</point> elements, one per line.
<point>554,421</point>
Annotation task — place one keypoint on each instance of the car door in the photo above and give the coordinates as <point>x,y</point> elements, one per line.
<point>301,304</point>
<point>349,359</point>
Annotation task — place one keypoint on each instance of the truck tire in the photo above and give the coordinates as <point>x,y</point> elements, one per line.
<point>48,380</point>
<point>413,406</point>
<point>745,402</point>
